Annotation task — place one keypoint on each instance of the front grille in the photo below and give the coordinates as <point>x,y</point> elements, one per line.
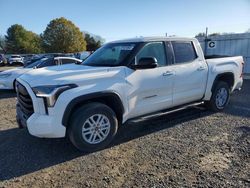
<point>24,101</point>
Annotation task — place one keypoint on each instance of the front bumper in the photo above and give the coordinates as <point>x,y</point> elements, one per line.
<point>43,126</point>
<point>39,124</point>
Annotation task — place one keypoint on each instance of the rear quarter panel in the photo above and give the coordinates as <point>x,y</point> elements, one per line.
<point>223,65</point>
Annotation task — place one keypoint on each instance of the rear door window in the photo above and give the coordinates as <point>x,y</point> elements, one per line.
<point>184,51</point>
<point>67,61</point>
<point>47,63</point>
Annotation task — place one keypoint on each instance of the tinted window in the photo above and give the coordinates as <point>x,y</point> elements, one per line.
<point>15,56</point>
<point>56,61</point>
<point>156,50</point>
<point>47,63</point>
<point>67,61</point>
<point>36,63</point>
<point>184,52</point>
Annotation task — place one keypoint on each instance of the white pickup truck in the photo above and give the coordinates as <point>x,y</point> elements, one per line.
<point>121,81</point>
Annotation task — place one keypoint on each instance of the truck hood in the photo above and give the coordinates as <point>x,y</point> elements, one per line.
<point>68,74</point>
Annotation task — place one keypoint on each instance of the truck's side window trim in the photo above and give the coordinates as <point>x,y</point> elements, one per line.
<point>195,56</point>
<point>169,53</point>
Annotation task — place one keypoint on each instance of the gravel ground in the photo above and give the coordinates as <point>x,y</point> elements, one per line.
<point>192,147</point>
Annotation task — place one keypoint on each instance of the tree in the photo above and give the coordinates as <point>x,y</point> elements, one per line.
<point>2,44</point>
<point>214,34</point>
<point>200,35</point>
<point>92,44</point>
<point>62,35</point>
<point>19,40</point>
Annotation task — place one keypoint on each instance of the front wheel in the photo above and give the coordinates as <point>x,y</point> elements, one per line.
<point>14,86</point>
<point>220,97</point>
<point>92,127</point>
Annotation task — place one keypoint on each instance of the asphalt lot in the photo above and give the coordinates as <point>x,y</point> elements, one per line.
<point>192,147</point>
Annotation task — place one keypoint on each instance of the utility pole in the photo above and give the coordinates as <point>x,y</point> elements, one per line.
<point>206,31</point>
<point>206,39</point>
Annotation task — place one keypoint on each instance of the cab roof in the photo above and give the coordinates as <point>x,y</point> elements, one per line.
<point>154,39</point>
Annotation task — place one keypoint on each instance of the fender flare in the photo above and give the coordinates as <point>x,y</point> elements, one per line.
<point>84,98</point>
<point>217,78</point>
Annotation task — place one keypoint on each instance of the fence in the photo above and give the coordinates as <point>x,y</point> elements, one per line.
<point>230,44</point>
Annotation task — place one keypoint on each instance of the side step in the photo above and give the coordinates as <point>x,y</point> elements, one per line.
<point>164,112</point>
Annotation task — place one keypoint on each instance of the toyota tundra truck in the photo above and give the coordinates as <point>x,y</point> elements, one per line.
<point>123,80</point>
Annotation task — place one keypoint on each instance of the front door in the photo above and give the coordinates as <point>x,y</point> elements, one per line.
<point>150,90</point>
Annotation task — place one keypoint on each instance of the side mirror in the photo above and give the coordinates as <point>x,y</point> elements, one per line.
<point>146,63</point>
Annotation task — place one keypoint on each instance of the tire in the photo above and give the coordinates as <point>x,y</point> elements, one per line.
<point>220,97</point>
<point>84,118</point>
<point>14,86</point>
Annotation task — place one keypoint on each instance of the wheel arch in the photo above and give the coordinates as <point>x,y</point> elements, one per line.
<point>227,77</point>
<point>14,85</point>
<point>111,99</point>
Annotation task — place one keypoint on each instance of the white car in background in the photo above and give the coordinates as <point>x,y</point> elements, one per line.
<point>15,59</point>
<point>8,77</point>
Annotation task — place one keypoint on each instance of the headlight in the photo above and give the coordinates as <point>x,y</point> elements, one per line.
<point>5,75</point>
<point>51,92</point>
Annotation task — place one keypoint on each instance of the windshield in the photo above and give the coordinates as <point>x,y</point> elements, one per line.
<point>15,56</point>
<point>112,54</point>
<point>36,63</point>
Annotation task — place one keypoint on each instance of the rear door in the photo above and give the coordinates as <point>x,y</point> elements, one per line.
<point>150,90</point>
<point>190,73</point>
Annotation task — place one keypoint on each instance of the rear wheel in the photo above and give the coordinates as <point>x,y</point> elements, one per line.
<point>220,97</point>
<point>92,127</point>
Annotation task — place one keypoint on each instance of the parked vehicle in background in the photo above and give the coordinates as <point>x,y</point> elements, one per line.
<point>121,81</point>
<point>84,55</point>
<point>15,60</point>
<point>32,60</point>
<point>2,60</point>
<point>8,77</point>
<point>27,58</point>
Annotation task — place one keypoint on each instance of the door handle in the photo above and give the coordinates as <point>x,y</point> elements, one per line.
<point>201,68</point>
<point>168,73</point>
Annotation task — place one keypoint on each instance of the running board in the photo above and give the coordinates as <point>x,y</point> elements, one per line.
<point>164,112</point>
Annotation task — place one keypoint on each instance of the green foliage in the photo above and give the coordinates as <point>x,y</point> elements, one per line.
<point>19,40</point>
<point>92,44</point>
<point>214,34</point>
<point>61,35</point>
<point>2,44</point>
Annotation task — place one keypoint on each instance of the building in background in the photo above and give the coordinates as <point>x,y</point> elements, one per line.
<point>228,45</point>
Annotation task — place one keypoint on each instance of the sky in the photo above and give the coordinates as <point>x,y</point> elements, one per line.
<point>119,19</point>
